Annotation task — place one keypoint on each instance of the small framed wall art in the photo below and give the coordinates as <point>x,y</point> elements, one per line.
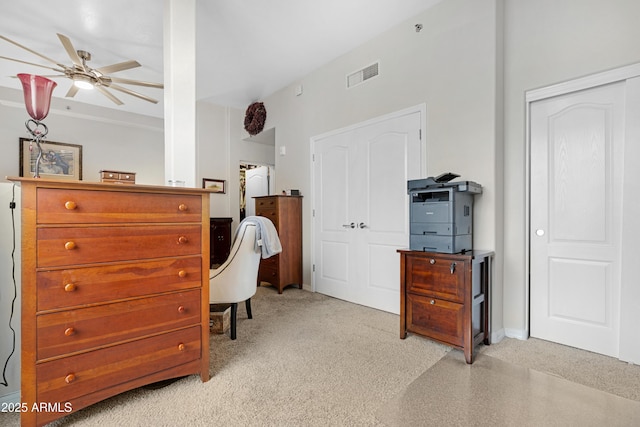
<point>59,160</point>
<point>215,185</point>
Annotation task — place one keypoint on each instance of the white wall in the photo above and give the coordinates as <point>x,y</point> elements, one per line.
<point>213,134</point>
<point>547,42</point>
<point>450,65</point>
<point>221,148</point>
<point>9,291</point>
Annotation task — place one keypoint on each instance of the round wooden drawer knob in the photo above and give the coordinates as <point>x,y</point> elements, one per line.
<point>69,378</point>
<point>181,309</point>
<point>183,239</point>
<point>69,287</point>
<point>69,331</point>
<point>70,245</point>
<point>181,347</point>
<point>183,207</point>
<point>182,273</point>
<point>70,205</point>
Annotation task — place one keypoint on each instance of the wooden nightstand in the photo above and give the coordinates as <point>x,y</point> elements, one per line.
<point>445,297</point>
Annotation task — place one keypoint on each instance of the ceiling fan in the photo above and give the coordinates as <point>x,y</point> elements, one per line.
<point>85,77</point>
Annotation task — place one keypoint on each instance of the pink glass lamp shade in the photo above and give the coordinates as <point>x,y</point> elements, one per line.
<point>37,95</point>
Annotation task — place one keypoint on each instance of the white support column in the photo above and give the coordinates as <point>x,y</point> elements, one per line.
<point>180,91</point>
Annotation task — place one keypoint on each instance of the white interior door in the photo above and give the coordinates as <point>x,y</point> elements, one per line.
<point>361,209</point>
<point>257,184</point>
<point>577,146</point>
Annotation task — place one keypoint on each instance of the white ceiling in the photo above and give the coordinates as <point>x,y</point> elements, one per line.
<point>246,49</point>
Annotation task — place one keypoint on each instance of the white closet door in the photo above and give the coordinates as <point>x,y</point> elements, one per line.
<point>577,146</point>
<point>361,209</point>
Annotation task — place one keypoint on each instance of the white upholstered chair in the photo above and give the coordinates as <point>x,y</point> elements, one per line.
<point>236,279</point>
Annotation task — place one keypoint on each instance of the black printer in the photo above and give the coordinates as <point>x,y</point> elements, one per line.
<point>441,214</point>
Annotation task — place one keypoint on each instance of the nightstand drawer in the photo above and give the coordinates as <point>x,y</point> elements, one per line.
<point>435,318</point>
<point>436,276</point>
<point>72,246</point>
<point>71,331</point>
<point>65,379</point>
<point>58,206</point>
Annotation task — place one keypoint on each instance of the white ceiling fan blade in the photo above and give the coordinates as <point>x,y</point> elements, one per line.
<point>136,82</point>
<point>126,65</point>
<point>108,95</point>
<point>132,93</point>
<point>71,51</point>
<point>31,63</point>
<point>72,91</point>
<point>32,51</point>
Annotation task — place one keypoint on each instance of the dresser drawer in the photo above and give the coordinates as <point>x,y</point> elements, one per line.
<point>268,213</point>
<point>269,271</point>
<point>85,328</point>
<point>59,246</point>
<point>67,378</point>
<point>435,318</point>
<point>437,277</point>
<point>266,203</point>
<point>94,285</point>
<point>63,206</point>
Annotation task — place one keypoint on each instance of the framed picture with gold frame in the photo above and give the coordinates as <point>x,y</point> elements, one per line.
<point>59,160</point>
<point>216,185</point>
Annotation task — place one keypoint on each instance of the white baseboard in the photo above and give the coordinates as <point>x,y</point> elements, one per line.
<point>497,336</point>
<point>10,398</point>
<point>521,334</point>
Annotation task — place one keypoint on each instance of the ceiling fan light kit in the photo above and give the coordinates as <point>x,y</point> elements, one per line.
<point>82,82</point>
<point>85,77</point>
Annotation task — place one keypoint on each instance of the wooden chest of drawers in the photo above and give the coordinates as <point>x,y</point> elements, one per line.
<point>445,297</point>
<point>285,268</point>
<point>115,290</point>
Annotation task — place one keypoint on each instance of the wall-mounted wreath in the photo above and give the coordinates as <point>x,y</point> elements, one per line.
<point>254,118</point>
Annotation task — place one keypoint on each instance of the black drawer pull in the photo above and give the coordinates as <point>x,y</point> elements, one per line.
<point>453,267</point>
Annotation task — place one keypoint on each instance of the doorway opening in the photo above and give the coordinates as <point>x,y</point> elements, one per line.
<point>255,180</point>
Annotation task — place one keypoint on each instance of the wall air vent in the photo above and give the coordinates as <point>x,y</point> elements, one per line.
<point>363,75</point>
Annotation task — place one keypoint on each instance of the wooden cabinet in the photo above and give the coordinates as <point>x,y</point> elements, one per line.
<point>220,238</point>
<point>285,268</point>
<point>445,297</point>
<point>115,290</point>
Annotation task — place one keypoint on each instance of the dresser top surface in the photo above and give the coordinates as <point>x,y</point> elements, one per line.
<point>104,186</point>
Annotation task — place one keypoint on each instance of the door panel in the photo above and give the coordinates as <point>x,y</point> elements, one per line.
<point>257,184</point>
<point>387,155</point>
<point>333,239</point>
<point>576,203</point>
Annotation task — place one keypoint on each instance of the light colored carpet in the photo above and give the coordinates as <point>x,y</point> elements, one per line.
<point>306,359</point>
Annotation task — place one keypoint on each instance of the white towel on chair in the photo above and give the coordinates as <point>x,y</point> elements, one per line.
<point>266,235</point>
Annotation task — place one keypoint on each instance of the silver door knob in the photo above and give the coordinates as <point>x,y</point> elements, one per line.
<point>352,225</point>
<point>362,225</point>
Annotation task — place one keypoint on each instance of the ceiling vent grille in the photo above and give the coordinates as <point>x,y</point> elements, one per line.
<point>363,75</point>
